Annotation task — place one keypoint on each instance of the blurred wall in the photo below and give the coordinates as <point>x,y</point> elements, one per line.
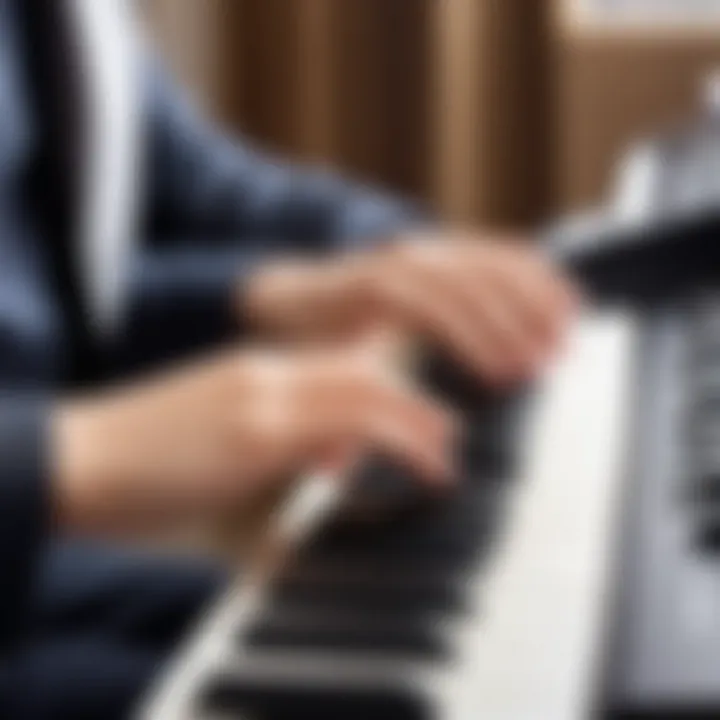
<point>443,99</point>
<point>494,111</point>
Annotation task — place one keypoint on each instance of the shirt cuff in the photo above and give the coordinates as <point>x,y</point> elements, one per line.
<point>25,513</point>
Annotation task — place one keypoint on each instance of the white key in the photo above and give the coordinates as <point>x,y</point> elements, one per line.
<point>530,651</point>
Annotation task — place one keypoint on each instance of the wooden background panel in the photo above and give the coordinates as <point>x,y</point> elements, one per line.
<point>455,114</point>
<point>342,82</point>
<point>262,74</point>
<point>442,99</point>
<point>612,91</point>
<point>515,111</point>
<point>493,111</point>
<point>381,90</point>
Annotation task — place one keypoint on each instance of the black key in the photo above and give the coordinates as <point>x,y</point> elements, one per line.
<point>288,700</point>
<point>456,533</point>
<point>465,503</point>
<point>310,562</point>
<point>385,486</point>
<point>485,451</point>
<point>382,596</point>
<point>456,386</point>
<point>490,449</point>
<point>451,538</point>
<point>348,633</point>
<point>487,455</point>
<point>490,442</point>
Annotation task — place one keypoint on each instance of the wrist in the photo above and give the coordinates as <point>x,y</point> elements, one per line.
<point>258,298</point>
<point>77,465</point>
<point>295,299</point>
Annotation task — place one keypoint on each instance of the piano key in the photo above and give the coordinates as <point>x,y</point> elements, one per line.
<point>380,596</point>
<point>377,569</point>
<point>549,572</point>
<point>286,700</point>
<point>540,667</point>
<point>354,632</point>
<point>458,543</point>
<point>382,485</point>
<point>460,388</point>
<point>533,653</point>
<point>485,452</point>
<point>442,528</point>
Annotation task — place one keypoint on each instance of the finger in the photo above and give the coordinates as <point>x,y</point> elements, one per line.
<point>541,298</point>
<point>429,307</point>
<point>383,346</point>
<point>519,303</point>
<point>497,306</point>
<point>493,321</point>
<point>505,327</point>
<point>360,407</point>
<point>410,427</point>
<point>340,459</point>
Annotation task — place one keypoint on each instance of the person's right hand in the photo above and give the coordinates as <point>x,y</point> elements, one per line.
<point>494,305</point>
<point>208,437</point>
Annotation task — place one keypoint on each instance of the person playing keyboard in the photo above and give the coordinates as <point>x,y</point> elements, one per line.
<point>289,379</point>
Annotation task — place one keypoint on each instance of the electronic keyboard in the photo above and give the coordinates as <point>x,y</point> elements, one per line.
<point>573,571</point>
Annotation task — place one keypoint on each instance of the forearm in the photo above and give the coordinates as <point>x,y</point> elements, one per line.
<point>188,295</point>
<point>206,184</point>
<point>180,302</point>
